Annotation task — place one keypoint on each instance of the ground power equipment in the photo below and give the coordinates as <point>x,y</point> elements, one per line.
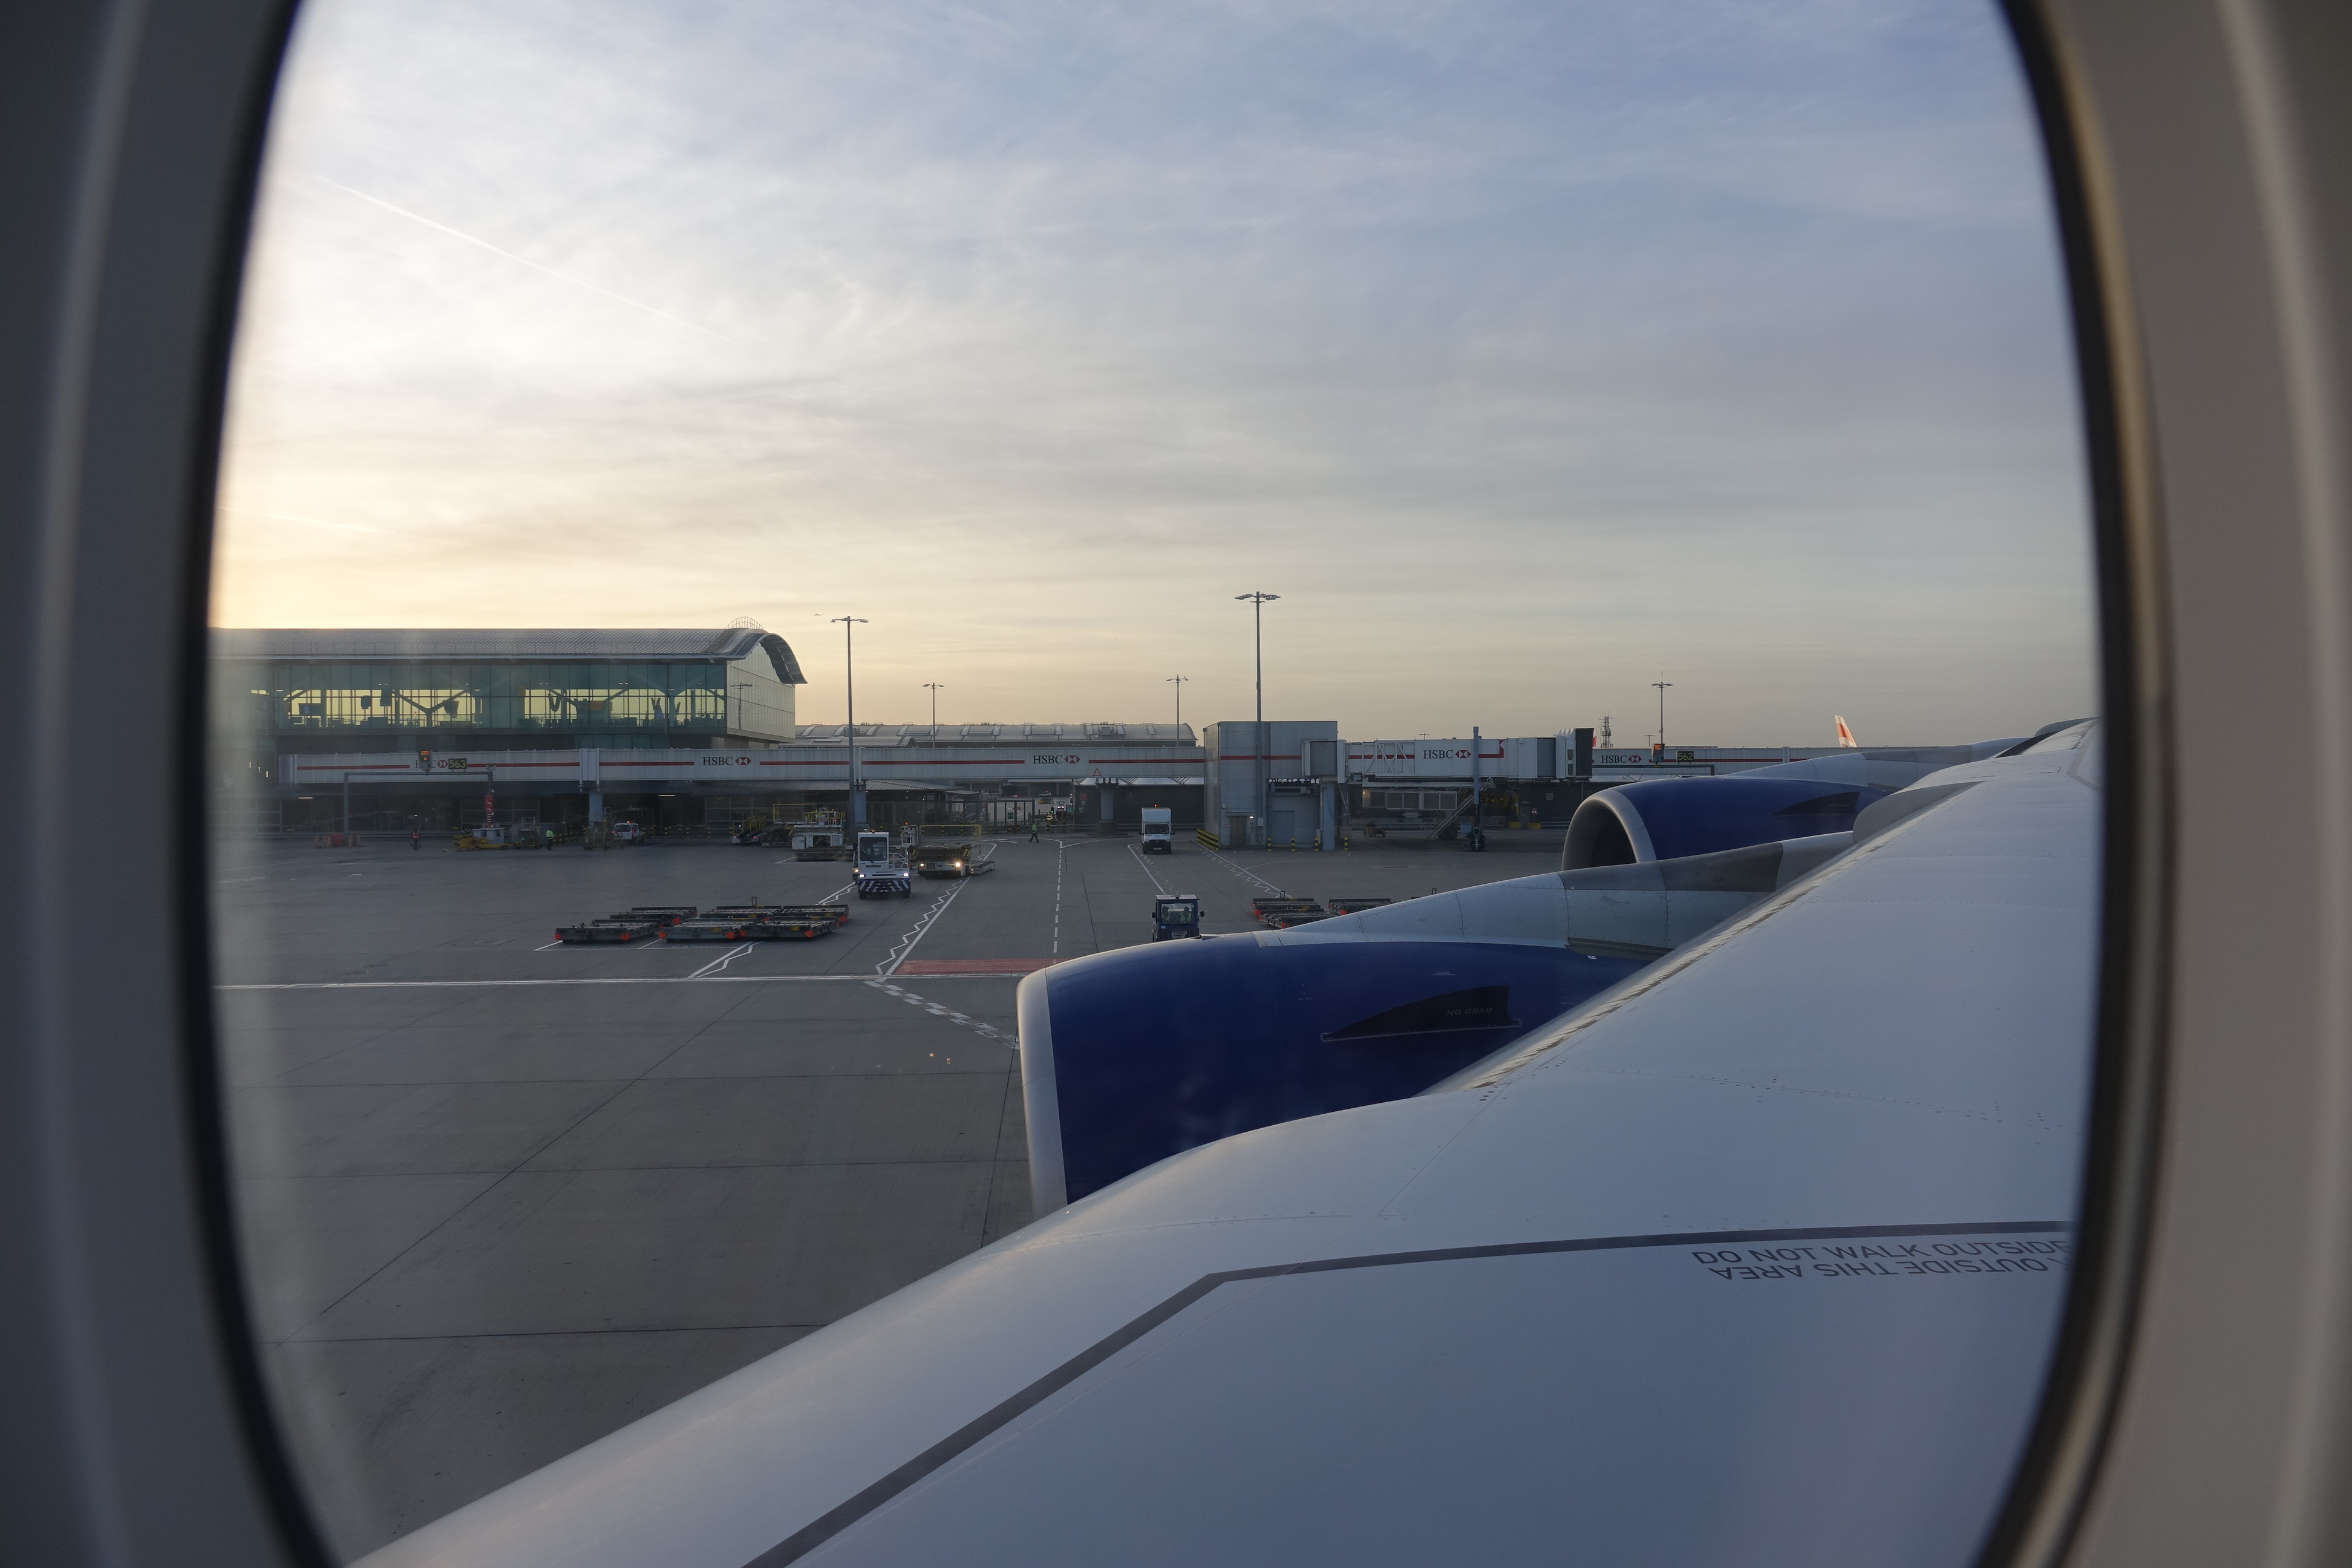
<point>1276,911</point>
<point>1175,915</point>
<point>881,874</point>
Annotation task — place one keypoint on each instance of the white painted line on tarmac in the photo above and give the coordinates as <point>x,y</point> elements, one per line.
<point>922,928</point>
<point>988,1030</point>
<point>721,962</point>
<point>550,947</point>
<point>1245,876</point>
<point>1146,866</point>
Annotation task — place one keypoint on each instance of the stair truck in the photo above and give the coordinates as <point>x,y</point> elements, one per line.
<point>1158,830</point>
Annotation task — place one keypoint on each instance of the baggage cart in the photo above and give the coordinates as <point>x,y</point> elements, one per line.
<point>622,929</point>
<point>837,913</point>
<point>793,927</point>
<point>705,929</point>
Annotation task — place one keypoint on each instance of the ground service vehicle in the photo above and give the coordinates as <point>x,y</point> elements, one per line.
<point>820,841</point>
<point>1175,915</point>
<point>1158,830</point>
<point>957,858</point>
<point>881,870</point>
<point>2190,1405</point>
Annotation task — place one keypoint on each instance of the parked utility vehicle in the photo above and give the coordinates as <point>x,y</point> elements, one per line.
<point>1158,830</point>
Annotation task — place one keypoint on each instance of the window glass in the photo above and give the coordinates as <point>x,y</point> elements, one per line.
<point>1320,422</point>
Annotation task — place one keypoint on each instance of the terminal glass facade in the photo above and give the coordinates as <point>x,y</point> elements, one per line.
<point>637,701</point>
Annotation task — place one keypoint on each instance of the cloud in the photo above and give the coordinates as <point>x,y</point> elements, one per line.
<point>1524,349</point>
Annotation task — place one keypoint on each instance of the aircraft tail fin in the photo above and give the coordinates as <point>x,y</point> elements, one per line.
<point>1846,735</point>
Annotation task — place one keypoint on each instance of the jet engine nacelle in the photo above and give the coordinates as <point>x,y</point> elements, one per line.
<point>1665,819</point>
<point>1668,819</point>
<point>1135,1055</point>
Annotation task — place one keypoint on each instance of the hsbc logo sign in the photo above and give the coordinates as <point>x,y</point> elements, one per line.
<point>722,760</point>
<point>1444,754</point>
<point>1052,759</point>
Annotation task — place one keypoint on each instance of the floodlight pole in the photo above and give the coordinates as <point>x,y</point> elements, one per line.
<point>1662,683</point>
<point>849,625</point>
<point>1257,603</point>
<point>933,686</point>
<point>1178,682</point>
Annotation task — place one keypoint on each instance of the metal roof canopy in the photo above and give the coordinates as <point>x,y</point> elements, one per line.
<point>515,644</point>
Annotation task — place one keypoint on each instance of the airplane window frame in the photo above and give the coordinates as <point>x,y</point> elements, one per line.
<point>185,172</point>
<point>2058,1463</point>
<point>2056,1459</point>
<point>2059,1454</point>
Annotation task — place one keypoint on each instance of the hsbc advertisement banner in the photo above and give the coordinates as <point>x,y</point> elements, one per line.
<point>1431,758</point>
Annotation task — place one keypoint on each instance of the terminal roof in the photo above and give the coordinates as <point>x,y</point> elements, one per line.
<point>538,644</point>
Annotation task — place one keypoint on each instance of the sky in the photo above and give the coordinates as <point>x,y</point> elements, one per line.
<point>1532,353</point>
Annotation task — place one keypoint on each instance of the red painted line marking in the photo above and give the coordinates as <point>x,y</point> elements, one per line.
<point>974,966</point>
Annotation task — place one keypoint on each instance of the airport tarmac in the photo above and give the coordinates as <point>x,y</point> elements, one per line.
<point>500,1197</point>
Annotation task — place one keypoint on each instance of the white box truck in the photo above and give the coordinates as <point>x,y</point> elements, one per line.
<point>1158,830</point>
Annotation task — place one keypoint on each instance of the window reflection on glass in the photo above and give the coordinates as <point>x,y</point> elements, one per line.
<point>1683,373</point>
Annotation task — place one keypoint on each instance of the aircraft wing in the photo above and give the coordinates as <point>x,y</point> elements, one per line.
<point>1756,1258</point>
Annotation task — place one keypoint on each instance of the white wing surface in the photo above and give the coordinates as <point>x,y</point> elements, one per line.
<point>1708,1271</point>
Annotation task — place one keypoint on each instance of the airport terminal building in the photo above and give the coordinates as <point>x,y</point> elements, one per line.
<point>695,731</point>
<point>385,690</point>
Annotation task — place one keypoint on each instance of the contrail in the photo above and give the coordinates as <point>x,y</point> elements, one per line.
<point>526,261</point>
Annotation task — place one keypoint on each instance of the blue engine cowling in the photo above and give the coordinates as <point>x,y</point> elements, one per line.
<point>1174,1045</point>
<point>1666,819</point>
